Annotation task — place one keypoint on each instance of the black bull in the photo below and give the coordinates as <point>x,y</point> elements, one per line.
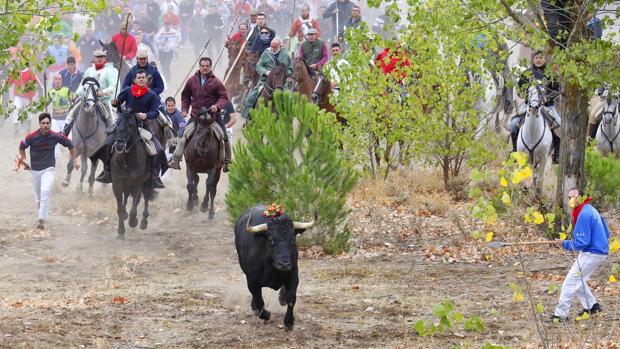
<point>268,257</point>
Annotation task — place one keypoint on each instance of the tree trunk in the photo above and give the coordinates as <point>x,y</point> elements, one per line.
<point>574,113</point>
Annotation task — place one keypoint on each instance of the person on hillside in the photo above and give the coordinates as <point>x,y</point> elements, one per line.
<point>303,24</point>
<point>591,239</point>
<point>144,103</point>
<point>42,144</point>
<point>167,40</point>
<point>175,115</point>
<point>203,91</point>
<point>314,51</point>
<point>394,62</point>
<point>272,56</point>
<point>214,25</point>
<point>172,18</point>
<point>195,28</point>
<point>265,8</point>
<point>261,22</point>
<point>71,75</point>
<point>105,73</point>
<point>128,51</point>
<point>356,18</point>
<point>60,52</point>
<point>281,19</point>
<point>143,46</point>
<point>23,92</point>
<point>537,73</point>
<point>340,12</point>
<point>87,43</point>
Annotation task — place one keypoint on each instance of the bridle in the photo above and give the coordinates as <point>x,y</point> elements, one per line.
<point>120,146</point>
<point>536,109</point>
<point>316,96</point>
<point>91,87</point>
<point>614,118</point>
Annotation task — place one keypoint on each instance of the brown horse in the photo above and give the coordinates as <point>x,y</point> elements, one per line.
<point>250,76</point>
<point>275,80</point>
<point>202,155</point>
<point>234,87</point>
<point>304,83</point>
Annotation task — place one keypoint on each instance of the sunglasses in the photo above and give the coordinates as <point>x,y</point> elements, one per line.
<point>99,56</point>
<point>264,32</point>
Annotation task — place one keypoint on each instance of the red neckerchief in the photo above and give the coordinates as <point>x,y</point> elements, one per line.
<point>577,210</point>
<point>138,91</point>
<point>99,66</point>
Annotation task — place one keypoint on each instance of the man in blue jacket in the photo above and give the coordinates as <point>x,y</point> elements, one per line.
<point>155,82</point>
<point>591,240</point>
<point>144,103</point>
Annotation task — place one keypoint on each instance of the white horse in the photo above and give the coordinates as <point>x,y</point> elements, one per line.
<point>88,132</point>
<point>535,136</point>
<point>607,139</point>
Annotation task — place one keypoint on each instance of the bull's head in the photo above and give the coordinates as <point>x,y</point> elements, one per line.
<point>281,232</point>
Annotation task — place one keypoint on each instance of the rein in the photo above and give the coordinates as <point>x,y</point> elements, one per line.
<point>542,135</point>
<point>612,140</point>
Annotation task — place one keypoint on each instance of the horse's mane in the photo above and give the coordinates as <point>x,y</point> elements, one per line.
<point>124,120</point>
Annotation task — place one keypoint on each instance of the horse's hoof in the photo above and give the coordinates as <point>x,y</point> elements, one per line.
<point>133,221</point>
<point>91,192</point>
<point>120,237</point>
<point>264,315</point>
<point>211,215</point>
<point>144,224</point>
<point>204,208</point>
<point>65,183</point>
<point>189,207</point>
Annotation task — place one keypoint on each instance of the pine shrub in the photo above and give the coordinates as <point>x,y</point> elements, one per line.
<point>292,157</point>
<point>603,181</point>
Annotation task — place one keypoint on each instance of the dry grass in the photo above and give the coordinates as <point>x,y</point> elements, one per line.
<point>416,188</point>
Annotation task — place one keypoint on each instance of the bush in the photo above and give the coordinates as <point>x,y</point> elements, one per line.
<point>292,158</point>
<point>602,180</point>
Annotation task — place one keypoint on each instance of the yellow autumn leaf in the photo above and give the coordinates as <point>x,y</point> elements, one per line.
<point>489,237</point>
<point>562,236</point>
<point>516,177</point>
<point>614,246</point>
<point>503,182</point>
<point>526,172</point>
<point>517,297</point>
<point>538,218</point>
<point>612,278</point>
<point>520,157</point>
<point>506,198</point>
<point>528,218</point>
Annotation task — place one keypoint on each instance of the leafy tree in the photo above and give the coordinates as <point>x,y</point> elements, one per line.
<point>28,26</point>
<point>291,157</point>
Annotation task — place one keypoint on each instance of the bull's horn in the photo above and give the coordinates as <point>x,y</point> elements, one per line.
<point>257,228</point>
<point>303,225</point>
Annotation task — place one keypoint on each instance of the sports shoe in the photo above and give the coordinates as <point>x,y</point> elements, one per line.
<point>41,224</point>
<point>557,319</point>
<point>596,308</point>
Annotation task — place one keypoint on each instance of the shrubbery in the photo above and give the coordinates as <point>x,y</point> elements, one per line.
<point>292,157</point>
<point>602,176</point>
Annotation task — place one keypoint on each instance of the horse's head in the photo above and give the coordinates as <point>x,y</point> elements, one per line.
<point>322,89</point>
<point>205,117</point>
<point>610,110</point>
<point>90,87</point>
<point>125,132</point>
<point>112,54</point>
<point>534,98</point>
<point>299,69</point>
<point>277,77</point>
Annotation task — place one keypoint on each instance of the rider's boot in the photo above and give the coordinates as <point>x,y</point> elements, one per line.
<point>555,157</point>
<point>155,169</point>
<point>175,160</point>
<point>105,176</point>
<point>227,155</point>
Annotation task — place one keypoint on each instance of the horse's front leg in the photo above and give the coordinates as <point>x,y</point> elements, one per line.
<point>133,213</point>
<point>67,180</point>
<point>145,214</point>
<point>214,178</point>
<point>83,171</point>
<point>91,177</point>
<point>192,188</point>
<point>121,212</point>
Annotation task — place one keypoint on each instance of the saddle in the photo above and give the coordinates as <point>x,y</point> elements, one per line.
<point>166,124</point>
<point>147,139</point>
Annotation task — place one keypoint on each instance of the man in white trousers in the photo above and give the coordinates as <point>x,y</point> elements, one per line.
<point>42,143</point>
<point>591,240</point>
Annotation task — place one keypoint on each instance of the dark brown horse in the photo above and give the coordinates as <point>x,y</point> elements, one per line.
<point>130,172</point>
<point>317,89</point>
<point>250,76</point>
<point>202,155</point>
<point>276,80</point>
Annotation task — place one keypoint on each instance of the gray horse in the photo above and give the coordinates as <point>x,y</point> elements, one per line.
<point>535,136</point>
<point>88,132</point>
<point>607,136</point>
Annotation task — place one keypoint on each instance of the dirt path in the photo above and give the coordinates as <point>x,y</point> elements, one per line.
<point>178,285</point>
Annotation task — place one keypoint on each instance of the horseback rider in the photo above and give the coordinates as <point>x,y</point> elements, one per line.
<point>314,51</point>
<point>106,75</point>
<point>537,73</point>
<point>155,82</point>
<point>272,56</point>
<point>203,90</point>
<point>144,103</point>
